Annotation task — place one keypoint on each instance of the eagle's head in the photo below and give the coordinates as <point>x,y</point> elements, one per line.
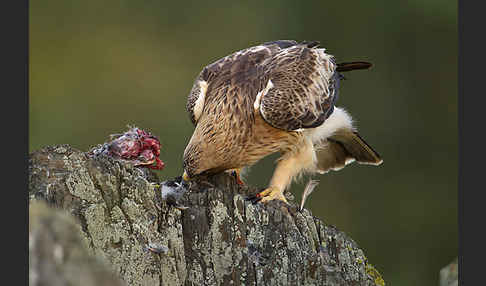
<point>195,161</point>
<point>204,155</point>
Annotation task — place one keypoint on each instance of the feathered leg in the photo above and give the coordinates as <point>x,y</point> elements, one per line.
<point>290,165</point>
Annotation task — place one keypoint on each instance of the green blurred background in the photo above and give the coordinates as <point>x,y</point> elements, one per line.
<point>96,66</point>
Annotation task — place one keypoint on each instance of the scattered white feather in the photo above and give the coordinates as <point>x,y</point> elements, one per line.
<point>309,188</point>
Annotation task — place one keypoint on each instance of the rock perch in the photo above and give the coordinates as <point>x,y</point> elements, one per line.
<point>221,238</point>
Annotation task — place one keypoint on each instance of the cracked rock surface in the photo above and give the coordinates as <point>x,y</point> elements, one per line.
<point>220,239</point>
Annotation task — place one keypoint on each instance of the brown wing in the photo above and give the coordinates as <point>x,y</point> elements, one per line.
<point>233,81</point>
<point>305,86</point>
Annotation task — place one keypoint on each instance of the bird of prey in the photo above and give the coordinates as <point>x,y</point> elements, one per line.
<point>275,97</point>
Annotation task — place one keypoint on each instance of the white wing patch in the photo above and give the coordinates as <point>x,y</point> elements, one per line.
<point>256,104</point>
<point>199,105</point>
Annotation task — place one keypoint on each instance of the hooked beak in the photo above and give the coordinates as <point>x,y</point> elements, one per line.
<point>185,177</point>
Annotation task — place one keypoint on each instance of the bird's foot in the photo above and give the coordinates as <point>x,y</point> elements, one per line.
<point>269,194</point>
<point>236,173</point>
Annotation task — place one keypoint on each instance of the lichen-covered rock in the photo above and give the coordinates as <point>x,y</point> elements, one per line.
<point>449,274</point>
<point>58,255</point>
<point>220,239</point>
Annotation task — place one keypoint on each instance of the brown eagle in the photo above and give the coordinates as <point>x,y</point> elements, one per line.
<point>276,97</point>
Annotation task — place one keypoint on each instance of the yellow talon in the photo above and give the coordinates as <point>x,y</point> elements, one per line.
<point>271,193</point>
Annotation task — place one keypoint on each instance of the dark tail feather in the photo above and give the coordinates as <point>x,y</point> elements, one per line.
<point>344,145</point>
<point>344,67</point>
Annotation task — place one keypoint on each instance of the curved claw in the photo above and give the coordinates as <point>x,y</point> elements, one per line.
<point>269,194</point>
